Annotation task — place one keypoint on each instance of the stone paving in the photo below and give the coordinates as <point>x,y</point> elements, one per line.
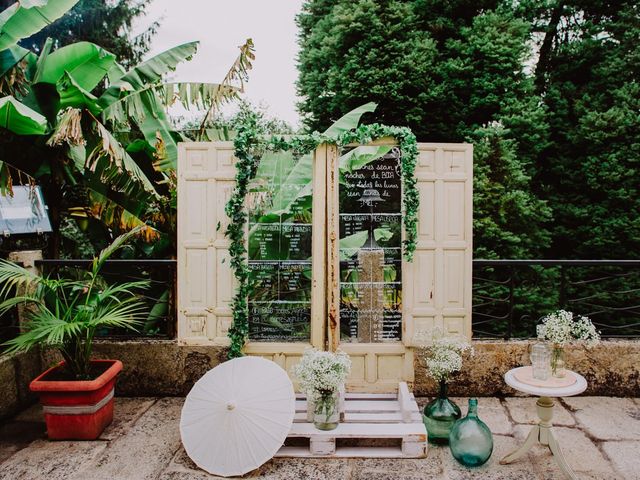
<point>600,437</point>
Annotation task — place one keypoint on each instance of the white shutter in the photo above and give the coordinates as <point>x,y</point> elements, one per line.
<point>206,173</point>
<point>438,282</point>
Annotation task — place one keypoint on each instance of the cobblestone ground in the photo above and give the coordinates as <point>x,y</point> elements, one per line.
<point>600,437</point>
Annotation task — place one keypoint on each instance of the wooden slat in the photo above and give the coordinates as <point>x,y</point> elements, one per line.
<point>362,396</point>
<point>387,417</point>
<point>365,406</point>
<point>361,430</point>
<point>393,417</point>
<point>346,452</point>
<point>406,402</point>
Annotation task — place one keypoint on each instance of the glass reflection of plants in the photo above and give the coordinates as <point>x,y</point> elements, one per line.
<point>279,245</point>
<point>370,207</point>
<point>280,217</point>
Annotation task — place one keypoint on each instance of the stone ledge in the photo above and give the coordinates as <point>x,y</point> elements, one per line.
<point>612,368</point>
<point>162,367</point>
<point>16,372</point>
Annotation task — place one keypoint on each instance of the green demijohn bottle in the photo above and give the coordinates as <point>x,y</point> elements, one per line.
<point>439,415</point>
<point>470,440</point>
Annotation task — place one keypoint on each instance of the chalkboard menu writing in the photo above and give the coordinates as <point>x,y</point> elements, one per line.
<point>280,250</point>
<point>371,251</point>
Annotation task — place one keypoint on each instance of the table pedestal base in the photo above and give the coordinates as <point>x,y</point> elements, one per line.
<point>542,433</point>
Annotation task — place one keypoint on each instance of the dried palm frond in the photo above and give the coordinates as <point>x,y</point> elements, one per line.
<point>114,215</point>
<point>235,78</point>
<point>68,130</point>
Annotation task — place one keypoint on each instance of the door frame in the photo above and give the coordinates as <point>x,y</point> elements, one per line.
<point>376,367</point>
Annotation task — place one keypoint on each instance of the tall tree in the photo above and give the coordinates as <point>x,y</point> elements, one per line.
<point>445,69</point>
<point>587,74</point>
<point>353,52</point>
<point>107,23</point>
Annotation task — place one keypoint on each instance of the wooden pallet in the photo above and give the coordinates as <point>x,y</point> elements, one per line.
<point>373,425</point>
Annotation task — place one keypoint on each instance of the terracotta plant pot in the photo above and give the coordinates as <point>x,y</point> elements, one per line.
<point>77,409</point>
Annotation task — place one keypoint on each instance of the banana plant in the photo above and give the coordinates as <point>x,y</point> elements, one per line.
<point>75,117</point>
<point>26,17</point>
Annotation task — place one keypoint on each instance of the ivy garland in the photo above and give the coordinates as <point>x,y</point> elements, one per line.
<point>249,146</point>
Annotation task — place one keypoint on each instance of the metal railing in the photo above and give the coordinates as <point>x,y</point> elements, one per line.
<point>159,297</point>
<point>510,296</point>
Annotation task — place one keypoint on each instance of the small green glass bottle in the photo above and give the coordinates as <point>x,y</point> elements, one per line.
<point>439,416</point>
<point>470,440</point>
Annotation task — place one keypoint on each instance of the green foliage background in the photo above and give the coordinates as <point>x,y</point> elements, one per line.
<point>106,23</point>
<point>546,91</point>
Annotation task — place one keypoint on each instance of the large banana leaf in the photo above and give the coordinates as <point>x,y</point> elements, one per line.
<point>115,215</point>
<point>350,120</point>
<point>189,94</point>
<point>148,109</point>
<point>21,119</point>
<point>147,73</point>
<point>198,94</point>
<point>24,18</point>
<point>110,159</point>
<point>361,156</point>
<point>10,57</point>
<point>153,123</point>
<point>86,62</point>
<point>73,95</point>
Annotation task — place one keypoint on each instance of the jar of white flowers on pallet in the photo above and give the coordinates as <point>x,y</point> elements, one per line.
<point>322,376</point>
<point>562,328</point>
<point>443,358</point>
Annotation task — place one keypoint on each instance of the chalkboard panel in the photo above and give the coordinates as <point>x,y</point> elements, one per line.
<point>281,322</point>
<point>279,248</point>
<point>296,240</point>
<point>371,251</point>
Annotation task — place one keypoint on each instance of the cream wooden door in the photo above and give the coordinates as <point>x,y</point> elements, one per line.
<point>439,280</point>
<point>436,287</point>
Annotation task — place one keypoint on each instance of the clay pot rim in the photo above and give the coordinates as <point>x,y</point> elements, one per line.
<point>40,385</point>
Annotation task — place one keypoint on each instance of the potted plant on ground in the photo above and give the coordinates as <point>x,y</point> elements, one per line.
<point>65,311</point>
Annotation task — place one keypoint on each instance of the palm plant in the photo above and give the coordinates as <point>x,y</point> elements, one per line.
<point>65,312</point>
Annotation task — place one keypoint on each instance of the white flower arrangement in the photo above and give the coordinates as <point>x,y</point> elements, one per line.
<point>322,373</point>
<point>562,327</point>
<point>444,356</point>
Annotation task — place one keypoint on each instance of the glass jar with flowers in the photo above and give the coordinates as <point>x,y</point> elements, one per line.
<point>562,328</point>
<point>443,358</point>
<point>321,376</point>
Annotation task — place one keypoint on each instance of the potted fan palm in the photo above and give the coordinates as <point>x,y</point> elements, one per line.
<point>65,311</point>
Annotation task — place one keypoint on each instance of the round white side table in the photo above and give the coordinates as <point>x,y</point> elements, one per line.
<point>542,432</point>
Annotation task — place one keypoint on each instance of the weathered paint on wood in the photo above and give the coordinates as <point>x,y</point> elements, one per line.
<point>436,286</point>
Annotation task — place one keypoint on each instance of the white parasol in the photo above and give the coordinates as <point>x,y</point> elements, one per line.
<point>237,416</point>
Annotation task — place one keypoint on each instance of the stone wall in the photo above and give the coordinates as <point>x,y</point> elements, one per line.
<point>16,372</point>
<point>155,368</point>
<point>611,369</point>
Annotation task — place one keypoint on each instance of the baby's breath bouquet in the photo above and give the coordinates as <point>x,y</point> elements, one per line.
<point>442,357</point>
<point>562,328</point>
<point>321,375</point>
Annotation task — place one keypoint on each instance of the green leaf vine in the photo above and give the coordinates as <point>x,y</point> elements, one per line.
<point>250,144</point>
